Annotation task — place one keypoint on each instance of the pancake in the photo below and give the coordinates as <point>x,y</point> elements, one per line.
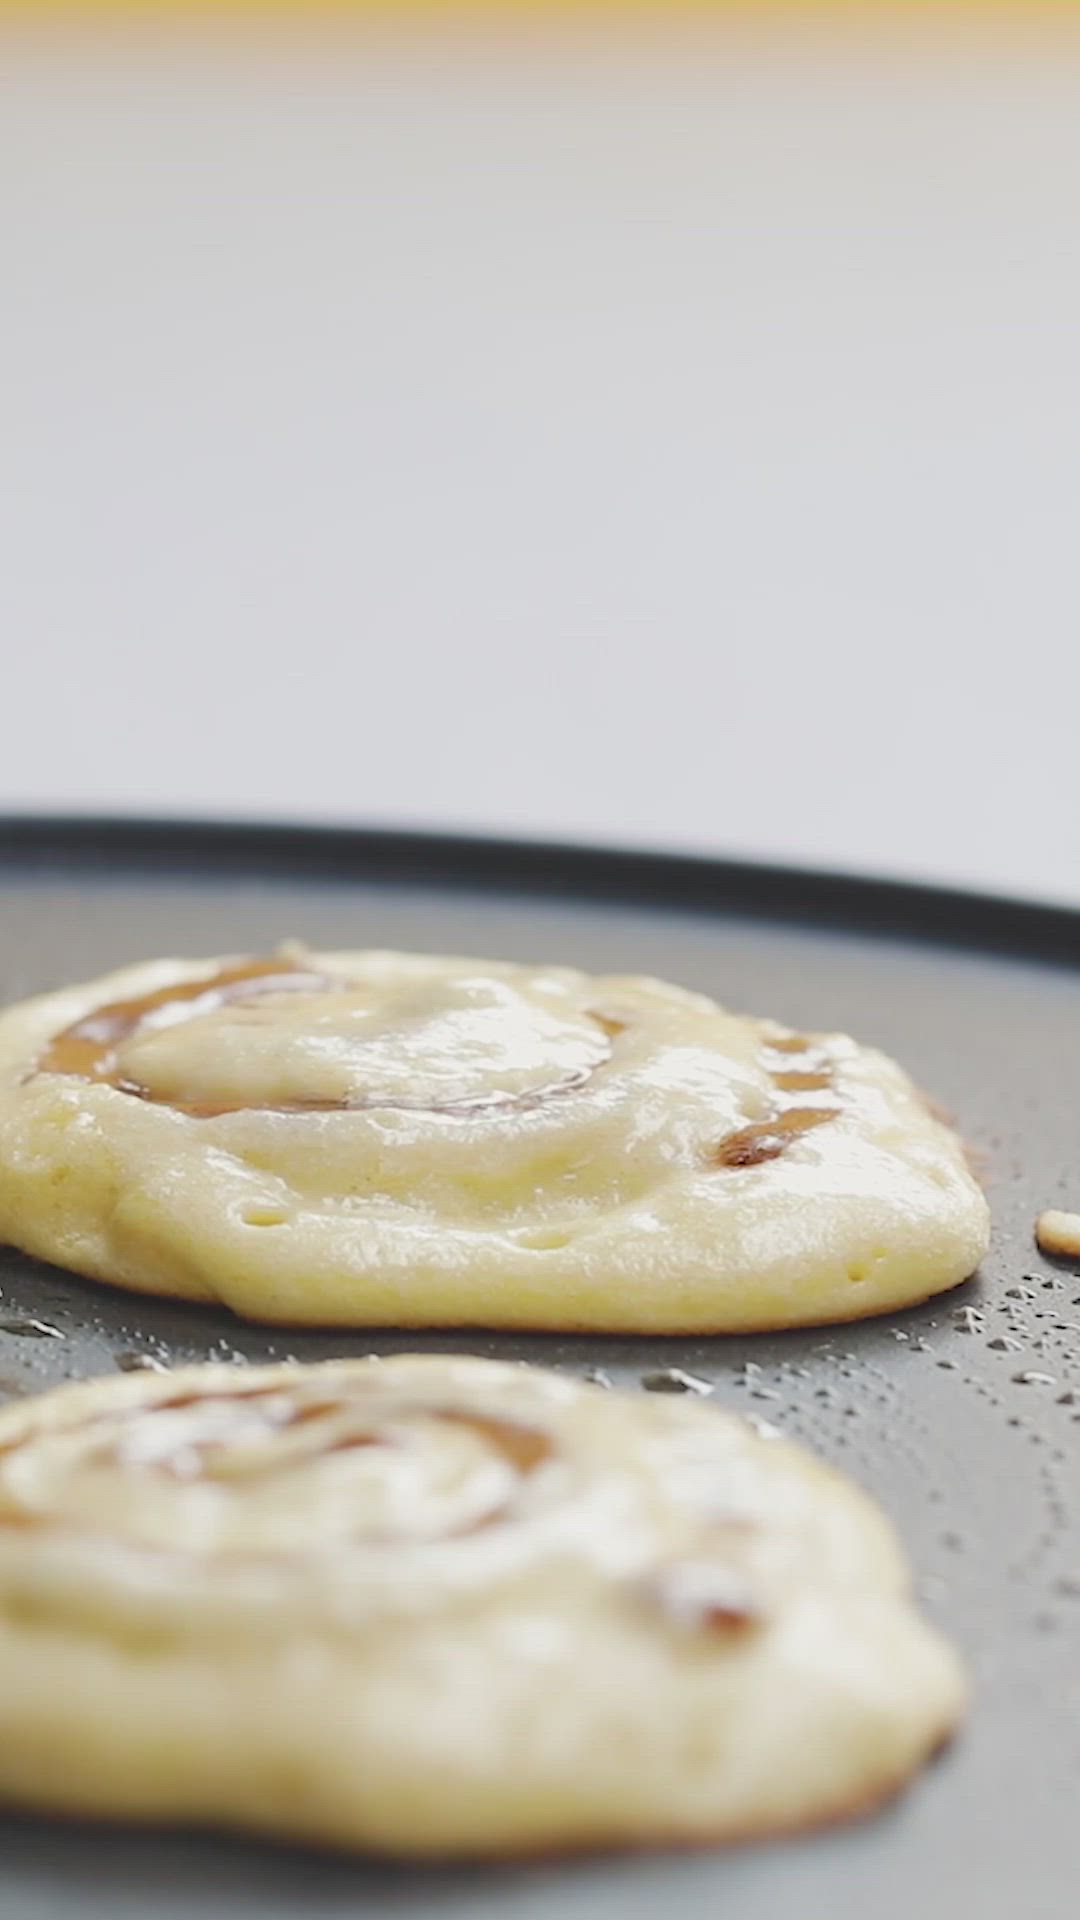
<point>437,1606</point>
<point>383,1139</point>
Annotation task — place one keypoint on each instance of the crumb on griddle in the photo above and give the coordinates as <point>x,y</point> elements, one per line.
<point>1058,1234</point>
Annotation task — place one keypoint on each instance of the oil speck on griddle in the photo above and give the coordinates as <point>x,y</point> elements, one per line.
<point>968,1319</point>
<point>31,1329</point>
<point>674,1380</point>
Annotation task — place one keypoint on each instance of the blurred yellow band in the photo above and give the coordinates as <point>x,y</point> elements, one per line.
<point>652,10</point>
<point>653,15</point>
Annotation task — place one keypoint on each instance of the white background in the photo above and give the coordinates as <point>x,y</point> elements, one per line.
<point>659,437</point>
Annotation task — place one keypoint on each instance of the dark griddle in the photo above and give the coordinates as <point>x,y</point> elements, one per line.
<point>981,1470</point>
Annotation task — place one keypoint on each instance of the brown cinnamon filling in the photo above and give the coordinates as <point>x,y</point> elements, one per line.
<point>807,1080</point>
<point>768,1138</point>
<point>704,1597</point>
<point>523,1447</point>
<point>790,1043</point>
<point>610,1023</point>
<point>89,1049</point>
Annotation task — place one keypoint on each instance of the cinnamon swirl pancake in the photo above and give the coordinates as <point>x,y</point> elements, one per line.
<point>444,1606</point>
<point>361,1139</point>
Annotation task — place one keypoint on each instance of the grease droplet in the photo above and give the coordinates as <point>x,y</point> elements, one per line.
<point>674,1380</point>
<point>139,1363</point>
<point>1031,1379</point>
<point>1005,1343</point>
<point>31,1329</point>
<point>968,1320</point>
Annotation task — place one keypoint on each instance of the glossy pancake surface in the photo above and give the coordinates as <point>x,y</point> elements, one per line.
<point>442,1605</point>
<point>393,1139</point>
